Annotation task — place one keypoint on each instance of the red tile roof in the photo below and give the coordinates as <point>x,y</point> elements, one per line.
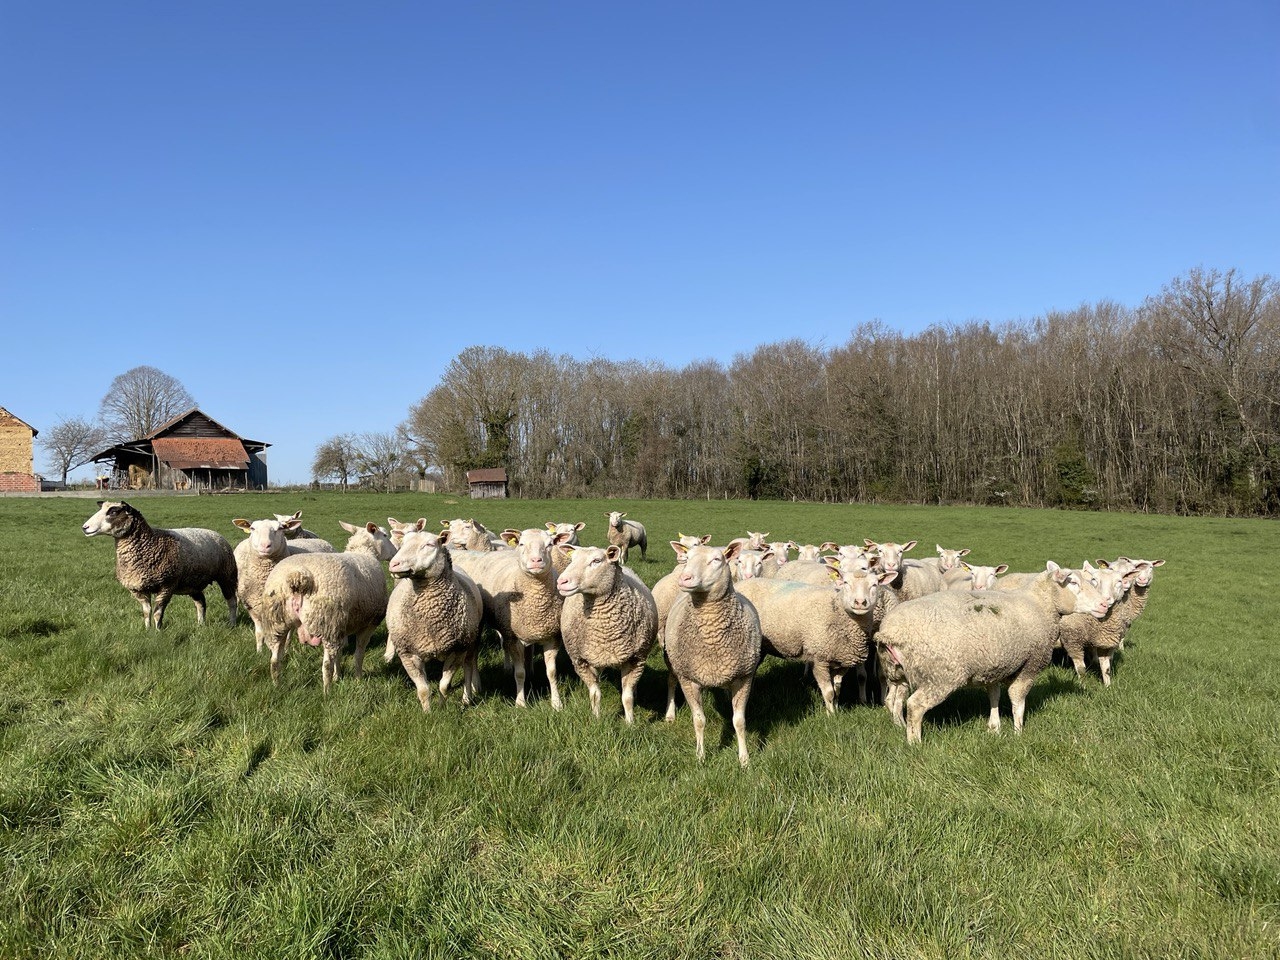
<point>183,453</point>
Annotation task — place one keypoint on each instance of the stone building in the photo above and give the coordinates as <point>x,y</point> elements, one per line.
<point>17,455</point>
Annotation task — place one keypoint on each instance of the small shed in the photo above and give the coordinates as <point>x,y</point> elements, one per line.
<point>488,483</point>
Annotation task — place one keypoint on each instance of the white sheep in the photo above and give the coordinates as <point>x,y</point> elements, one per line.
<point>1081,634</point>
<point>295,531</point>
<point>813,572</point>
<point>472,535</point>
<point>563,536</point>
<point>915,578</point>
<point>1135,601</point>
<point>713,637</point>
<point>749,563</point>
<point>938,643</point>
<point>831,630</point>
<point>521,602</point>
<point>850,554</point>
<point>808,551</point>
<point>256,556</point>
<point>154,563</point>
<point>609,619</point>
<point>327,597</point>
<point>779,551</point>
<point>433,613</point>
<point>626,534</point>
<point>972,576</point>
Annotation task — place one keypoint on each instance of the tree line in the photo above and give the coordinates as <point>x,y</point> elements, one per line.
<point>1173,406</point>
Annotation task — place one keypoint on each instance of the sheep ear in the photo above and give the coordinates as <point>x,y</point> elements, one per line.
<point>908,545</point>
<point>938,547</point>
<point>832,562</point>
<point>966,566</point>
<point>349,527</point>
<point>614,553</point>
<point>829,545</point>
<point>886,578</point>
<point>372,527</point>
<point>551,526</point>
<point>962,553</point>
<point>1002,569</point>
<point>732,550</point>
<point>242,523</point>
<point>562,540</point>
<point>441,538</point>
<point>569,548</point>
<point>706,538</point>
<point>293,523</point>
<point>444,523</point>
<point>510,536</point>
<point>871,543</point>
<point>581,524</point>
<point>1057,572</point>
<point>1157,563</point>
<point>681,550</point>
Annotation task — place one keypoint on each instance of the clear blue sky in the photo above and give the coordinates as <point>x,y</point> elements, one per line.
<point>303,211</point>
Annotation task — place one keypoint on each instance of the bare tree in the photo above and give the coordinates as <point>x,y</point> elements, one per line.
<point>71,442</point>
<point>381,459</point>
<point>140,400</point>
<point>336,459</point>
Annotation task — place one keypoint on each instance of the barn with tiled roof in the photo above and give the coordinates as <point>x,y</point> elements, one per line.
<point>191,451</point>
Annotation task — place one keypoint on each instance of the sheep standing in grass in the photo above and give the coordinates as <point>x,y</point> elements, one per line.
<point>1082,634</point>
<point>433,614</point>
<point>563,536</point>
<point>944,641</point>
<point>829,629</point>
<point>327,597</point>
<point>713,637</point>
<point>667,590</point>
<point>609,619</point>
<point>521,602</point>
<point>256,556</point>
<point>154,564</point>
<point>1135,601</point>
<point>915,578</point>
<point>625,534</point>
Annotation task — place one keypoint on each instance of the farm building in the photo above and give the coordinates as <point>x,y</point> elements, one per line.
<point>488,483</point>
<point>17,456</point>
<point>190,452</point>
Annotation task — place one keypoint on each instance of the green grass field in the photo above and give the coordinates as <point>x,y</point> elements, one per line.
<point>159,798</point>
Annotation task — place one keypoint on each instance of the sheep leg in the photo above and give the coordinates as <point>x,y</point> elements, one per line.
<point>362,644</point>
<point>1018,690</point>
<point>279,652</point>
<point>739,691</point>
<point>144,600</point>
<point>671,690</point>
<point>201,606</point>
<point>822,676</point>
<point>993,697</point>
<point>233,605</point>
<point>515,654</point>
<point>591,677</point>
<point>158,606</point>
<point>1104,664</point>
<point>329,665</point>
<point>413,666</point>
<point>630,677</point>
<point>918,704</point>
<point>693,696</point>
<point>549,652</point>
<point>470,677</point>
<point>389,654</point>
<point>446,674</point>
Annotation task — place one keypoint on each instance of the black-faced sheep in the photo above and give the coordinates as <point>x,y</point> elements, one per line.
<point>154,564</point>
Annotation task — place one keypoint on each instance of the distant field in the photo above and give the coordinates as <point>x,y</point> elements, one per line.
<point>159,798</point>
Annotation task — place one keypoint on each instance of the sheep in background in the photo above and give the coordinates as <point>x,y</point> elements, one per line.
<point>609,619</point>
<point>944,641</point>
<point>809,552</point>
<point>817,573</point>
<point>971,576</point>
<point>1135,601</point>
<point>398,528</point>
<point>713,637</point>
<point>327,597</point>
<point>472,535</point>
<point>433,613</point>
<point>563,536</point>
<point>1081,634</point>
<point>257,555</point>
<point>780,550</point>
<point>851,554</point>
<point>295,531</point>
<point>154,563</point>
<point>626,534</point>
<point>946,559</point>
<point>747,564</point>
<point>521,602</point>
<point>915,578</point>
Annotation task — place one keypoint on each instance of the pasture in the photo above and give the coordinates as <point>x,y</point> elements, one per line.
<point>158,797</point>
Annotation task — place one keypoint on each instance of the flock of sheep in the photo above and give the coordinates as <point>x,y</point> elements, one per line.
<point>911,631</point>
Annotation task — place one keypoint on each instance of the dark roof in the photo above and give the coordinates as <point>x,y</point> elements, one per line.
<point>166,427</point>
<point>487,475</point>
<point>146,445</point>
<point>186,453</point>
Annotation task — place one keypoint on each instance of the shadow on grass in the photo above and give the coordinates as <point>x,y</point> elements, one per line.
<point>970,704</point>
